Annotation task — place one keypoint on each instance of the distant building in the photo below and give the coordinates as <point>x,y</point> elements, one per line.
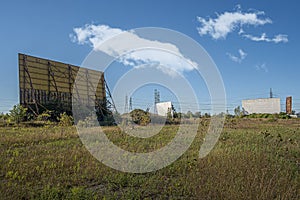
<point>162,108</point>
<point>264,105</point>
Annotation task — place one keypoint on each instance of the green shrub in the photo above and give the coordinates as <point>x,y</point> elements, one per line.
<point>269,116</point>
<point>283,115</point>
<point>140,117</point>
<point>65,120</point>
<point>45,116</point>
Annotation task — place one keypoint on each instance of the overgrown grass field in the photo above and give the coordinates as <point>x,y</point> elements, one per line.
<point>253,159</point>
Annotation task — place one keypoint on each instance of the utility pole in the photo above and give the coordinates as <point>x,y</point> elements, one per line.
<point>130,104</point>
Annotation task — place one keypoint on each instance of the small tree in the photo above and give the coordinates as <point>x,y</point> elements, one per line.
<point>239,112</point>
<point>179,115</point>
<point>206,115</point>
<point>293,112</point>
<point>169,114</point>
<point>189,114</point>
<point>4,117</point>
<point>18,113</point>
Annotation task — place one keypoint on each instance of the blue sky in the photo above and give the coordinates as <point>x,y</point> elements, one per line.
<point>249,68</point>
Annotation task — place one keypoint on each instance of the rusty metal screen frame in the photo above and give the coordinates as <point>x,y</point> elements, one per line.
<point>48,85</point>
<point>288,105</point>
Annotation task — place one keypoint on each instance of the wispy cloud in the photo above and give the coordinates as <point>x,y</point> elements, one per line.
<point>149,52</point>
<point>242,55</point>
<point>263,38</point>
<point>229,22</point>
<point>262,67</point>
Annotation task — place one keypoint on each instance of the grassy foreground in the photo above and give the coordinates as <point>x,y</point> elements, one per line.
<point>253,159</point>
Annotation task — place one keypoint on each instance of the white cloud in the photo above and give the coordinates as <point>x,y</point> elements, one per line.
<point>238,59</point>
<point>164,56</point>
<point>263,38</point>
<point>262,67</point>
<point>94,34</point>
<point>228,22</point>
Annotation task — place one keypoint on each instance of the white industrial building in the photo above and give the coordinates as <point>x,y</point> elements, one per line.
<point>162,108</point>
<point>265,105</point>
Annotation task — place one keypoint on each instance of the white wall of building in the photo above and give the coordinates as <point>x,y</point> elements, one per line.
<point>268,105</point>
<point>162,108</point>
